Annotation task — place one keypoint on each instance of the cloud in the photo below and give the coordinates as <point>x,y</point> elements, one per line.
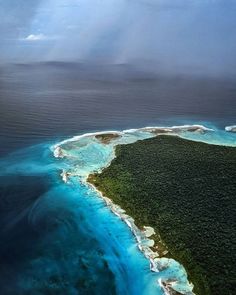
<point>39,37</point>
<point>16,16</point>
<point>35,37</point>
<point>168,35</point>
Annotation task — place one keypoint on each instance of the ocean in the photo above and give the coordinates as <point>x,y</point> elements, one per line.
<point>58,238</point>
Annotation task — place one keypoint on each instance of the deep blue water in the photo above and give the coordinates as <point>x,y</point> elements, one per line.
<point>46,246</point>
<point>52,240</point>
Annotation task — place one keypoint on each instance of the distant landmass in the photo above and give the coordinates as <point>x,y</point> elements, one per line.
<point>186,191</point>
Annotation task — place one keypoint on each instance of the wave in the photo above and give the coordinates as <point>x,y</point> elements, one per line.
<point>231,128</point>
<point>187,128</point>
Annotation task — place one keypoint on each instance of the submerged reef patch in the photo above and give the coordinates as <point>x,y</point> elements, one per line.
<point>106,138</point>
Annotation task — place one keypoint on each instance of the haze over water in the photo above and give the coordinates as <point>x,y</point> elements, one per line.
<point>56,100</point>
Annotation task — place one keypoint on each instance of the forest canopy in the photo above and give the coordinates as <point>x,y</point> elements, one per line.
<point>186,191</point>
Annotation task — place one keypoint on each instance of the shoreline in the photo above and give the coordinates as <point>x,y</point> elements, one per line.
<point>143,237</point>
<point>151,129</point>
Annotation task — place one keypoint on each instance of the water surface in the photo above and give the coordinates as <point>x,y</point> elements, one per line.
<point>62,239</point>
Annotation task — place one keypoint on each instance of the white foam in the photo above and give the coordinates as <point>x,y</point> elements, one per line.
<point>192,126</point>
<point>230,128</point>
<point>177,127</point>
<point>78,137</point>
<point>128,131</point>
<point>143,241</point>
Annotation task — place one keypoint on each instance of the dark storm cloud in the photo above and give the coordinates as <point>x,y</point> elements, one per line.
<point>161,35</point>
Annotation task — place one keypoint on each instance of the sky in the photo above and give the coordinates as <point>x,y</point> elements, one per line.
<point>161,35</point>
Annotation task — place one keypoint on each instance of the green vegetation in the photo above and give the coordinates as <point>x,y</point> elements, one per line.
<point>187,191</point>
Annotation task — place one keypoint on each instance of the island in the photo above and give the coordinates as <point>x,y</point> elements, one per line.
<point>185,191</point>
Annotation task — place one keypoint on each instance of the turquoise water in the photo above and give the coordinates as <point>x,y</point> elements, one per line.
<point>69,240</point>
<point>77,244</point>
